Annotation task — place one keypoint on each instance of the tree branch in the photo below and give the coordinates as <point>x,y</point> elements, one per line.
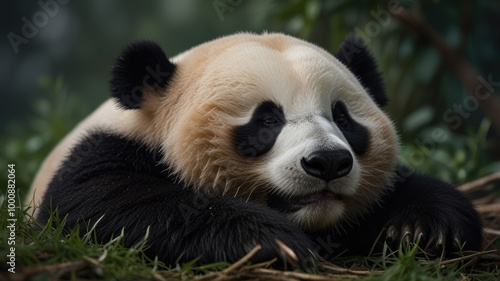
<point>477,184</point>
<point>474,84</point>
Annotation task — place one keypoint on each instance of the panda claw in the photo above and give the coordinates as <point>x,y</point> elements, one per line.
<point>439,244</point>
<point>392,233</point>
<point>419,234</point>
<point>407,230</point>
<point>440,241</point>
<point>418,237</point>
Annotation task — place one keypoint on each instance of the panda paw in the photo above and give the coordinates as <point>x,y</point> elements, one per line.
<point>432,241</point>
<point>434,234</point>
<point>232,229</point>
<point>433,214</point>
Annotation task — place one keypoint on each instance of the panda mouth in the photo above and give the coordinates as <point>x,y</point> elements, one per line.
<point>317,198</point>
<point>286,204</point>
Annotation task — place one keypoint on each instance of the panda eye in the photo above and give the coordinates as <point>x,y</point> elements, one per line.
<point>270,119</point>
<point>341,120</point>
<point>339,114</point>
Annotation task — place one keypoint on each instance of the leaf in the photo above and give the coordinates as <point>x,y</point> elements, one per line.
<point>418,119</point>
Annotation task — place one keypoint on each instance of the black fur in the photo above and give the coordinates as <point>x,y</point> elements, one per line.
<point>353,54</point>
<point>141,65</point>
<point>121,182</point>
<point>258,136</point>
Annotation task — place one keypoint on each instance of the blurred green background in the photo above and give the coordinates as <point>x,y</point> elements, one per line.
<point>54,70</point>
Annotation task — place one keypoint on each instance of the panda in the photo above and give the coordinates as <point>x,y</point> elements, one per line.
<point>249,139</point>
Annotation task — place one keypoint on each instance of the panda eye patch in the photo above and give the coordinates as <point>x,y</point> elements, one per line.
<point>356,134</point>
<point>258,136</point>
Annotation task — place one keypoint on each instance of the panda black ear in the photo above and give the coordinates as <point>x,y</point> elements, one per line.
<point>141,66</point>
<point>354,55</point>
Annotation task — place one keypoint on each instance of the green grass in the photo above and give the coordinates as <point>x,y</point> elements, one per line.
<point>46,252</point>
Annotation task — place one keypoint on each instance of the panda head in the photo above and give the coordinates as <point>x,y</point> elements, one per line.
<point>269,118</point>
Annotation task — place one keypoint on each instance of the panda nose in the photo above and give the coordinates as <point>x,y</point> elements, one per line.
<point>328,164</point>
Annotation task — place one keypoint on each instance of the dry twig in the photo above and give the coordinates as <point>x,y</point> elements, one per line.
<point>338,269</point>
<point>479,183</point>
